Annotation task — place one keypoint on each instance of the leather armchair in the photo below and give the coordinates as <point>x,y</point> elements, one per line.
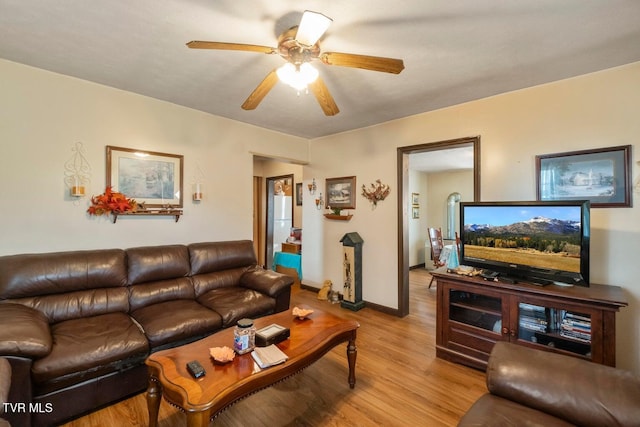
<point>537,388</point>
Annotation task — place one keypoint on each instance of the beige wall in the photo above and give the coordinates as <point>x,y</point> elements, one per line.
<point>591,111</point>
<point>43,115</point>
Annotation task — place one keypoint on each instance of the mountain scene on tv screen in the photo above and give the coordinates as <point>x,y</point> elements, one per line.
<point>540,242</point>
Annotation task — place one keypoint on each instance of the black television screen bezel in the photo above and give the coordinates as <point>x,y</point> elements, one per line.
<point>529,273</point>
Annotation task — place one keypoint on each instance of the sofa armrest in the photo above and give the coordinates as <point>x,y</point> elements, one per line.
<point>576,390</point>
<point>25,331</point>
<point>266,281</point>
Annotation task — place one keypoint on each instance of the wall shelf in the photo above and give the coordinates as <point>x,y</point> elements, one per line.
<point>338,217</point>
<point>172,212</point>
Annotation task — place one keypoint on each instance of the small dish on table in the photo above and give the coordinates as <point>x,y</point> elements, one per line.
<point>222,355</point>
<point>301,313</point>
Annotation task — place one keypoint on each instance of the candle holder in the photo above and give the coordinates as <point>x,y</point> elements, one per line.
<point>319,202</point>
<point>77,172</point>
<point>197,192</point>
<point>312,187</point>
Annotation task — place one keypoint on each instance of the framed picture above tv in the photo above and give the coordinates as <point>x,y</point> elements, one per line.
<point>601,176</point>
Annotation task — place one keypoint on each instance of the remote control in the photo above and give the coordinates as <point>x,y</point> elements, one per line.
<point>195,369</point>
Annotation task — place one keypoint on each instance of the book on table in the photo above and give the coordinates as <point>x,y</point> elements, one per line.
<point>268,356</point>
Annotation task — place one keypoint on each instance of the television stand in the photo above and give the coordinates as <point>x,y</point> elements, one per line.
<point>473,314</point>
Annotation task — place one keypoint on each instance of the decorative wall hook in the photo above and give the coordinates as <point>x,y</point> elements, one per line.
<point>376,192</point>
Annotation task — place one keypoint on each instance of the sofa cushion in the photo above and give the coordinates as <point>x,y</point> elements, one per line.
<point>492,410</point>
<point>234,303</point>
<point>153,263</point>
<point>205,282</point>
<point>207,257</point>
<point>161,291</point>
<point>87,348</point>
<point>174,321</point>
<point>74,305</point>
<point>60,272</point>
<point>24,332</point>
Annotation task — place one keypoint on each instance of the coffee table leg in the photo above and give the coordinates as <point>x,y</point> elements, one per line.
<point>154,396</point>
<point>352,352</point>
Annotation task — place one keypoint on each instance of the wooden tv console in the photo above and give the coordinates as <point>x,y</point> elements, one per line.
<point>473,314</point>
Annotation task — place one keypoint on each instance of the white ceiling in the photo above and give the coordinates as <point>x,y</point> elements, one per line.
<point>453,51</point>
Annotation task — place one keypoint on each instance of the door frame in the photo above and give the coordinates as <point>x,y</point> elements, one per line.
<point>404,199</point>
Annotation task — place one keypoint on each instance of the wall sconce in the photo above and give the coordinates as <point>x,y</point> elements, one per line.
<point>197,192</point>
<point>312,187</point>
<point>197,186</point>
<point>319,202</point>
<point>77,171</point>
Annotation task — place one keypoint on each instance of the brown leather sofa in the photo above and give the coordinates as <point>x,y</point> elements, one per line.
<point>529,387</point>
<point>79,325</point>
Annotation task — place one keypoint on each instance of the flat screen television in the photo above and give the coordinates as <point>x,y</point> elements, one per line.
<point>537,242</point>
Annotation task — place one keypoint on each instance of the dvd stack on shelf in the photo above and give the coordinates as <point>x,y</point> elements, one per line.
<point>533,318</point>
<point>576,326</point>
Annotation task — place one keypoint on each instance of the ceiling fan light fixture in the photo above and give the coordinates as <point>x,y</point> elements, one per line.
<point>312,26</point>
<point>297,77</point>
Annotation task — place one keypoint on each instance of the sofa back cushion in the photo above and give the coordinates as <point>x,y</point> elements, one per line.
<point>154,263</point>
<point>145,294</point>
<point>66,285</point>
<point>203,283</point>
<point>158,274</point>
<point>58,272</point>
<point>209,257</point>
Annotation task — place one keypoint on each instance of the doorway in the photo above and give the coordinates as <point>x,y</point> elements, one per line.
<point>404,201</point>
<point>279,214</point>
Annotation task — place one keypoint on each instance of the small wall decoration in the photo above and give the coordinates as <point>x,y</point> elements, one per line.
<point>600,175</point>
<point>415,199</point>
<point>77,171</point>
<point>376,192</point>
<point>340,193</point>
<point>415,212</point>
<point>152,178</point>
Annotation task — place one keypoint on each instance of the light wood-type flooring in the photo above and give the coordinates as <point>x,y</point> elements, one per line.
<point>399,380</point>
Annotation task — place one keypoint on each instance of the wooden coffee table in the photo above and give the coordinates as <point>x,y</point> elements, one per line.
<point>204,398</point>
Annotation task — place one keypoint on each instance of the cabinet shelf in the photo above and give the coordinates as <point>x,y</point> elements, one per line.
<point>176,213</point>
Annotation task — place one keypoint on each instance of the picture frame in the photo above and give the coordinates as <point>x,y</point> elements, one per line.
<point>149,177</point>
<point>415,199</point>
<point>601,176</point>
<point>299,194</point>
<point>340,193</point>
<point>415,212</point>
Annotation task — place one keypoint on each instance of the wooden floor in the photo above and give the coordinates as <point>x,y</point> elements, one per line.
<point>399,381</point>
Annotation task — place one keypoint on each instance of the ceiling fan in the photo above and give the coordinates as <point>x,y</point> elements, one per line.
<point>299,46</point>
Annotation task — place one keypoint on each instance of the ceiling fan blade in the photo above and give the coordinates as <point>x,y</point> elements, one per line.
<point>373,63</point>
<point>324,98</point>
<point>261,91</point>
<point>197,44</point>
<point>312,26</point>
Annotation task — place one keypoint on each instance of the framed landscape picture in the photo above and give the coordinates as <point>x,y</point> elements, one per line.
<point>601,176</point>
<point>341,193</point>
<point>152,178</point>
